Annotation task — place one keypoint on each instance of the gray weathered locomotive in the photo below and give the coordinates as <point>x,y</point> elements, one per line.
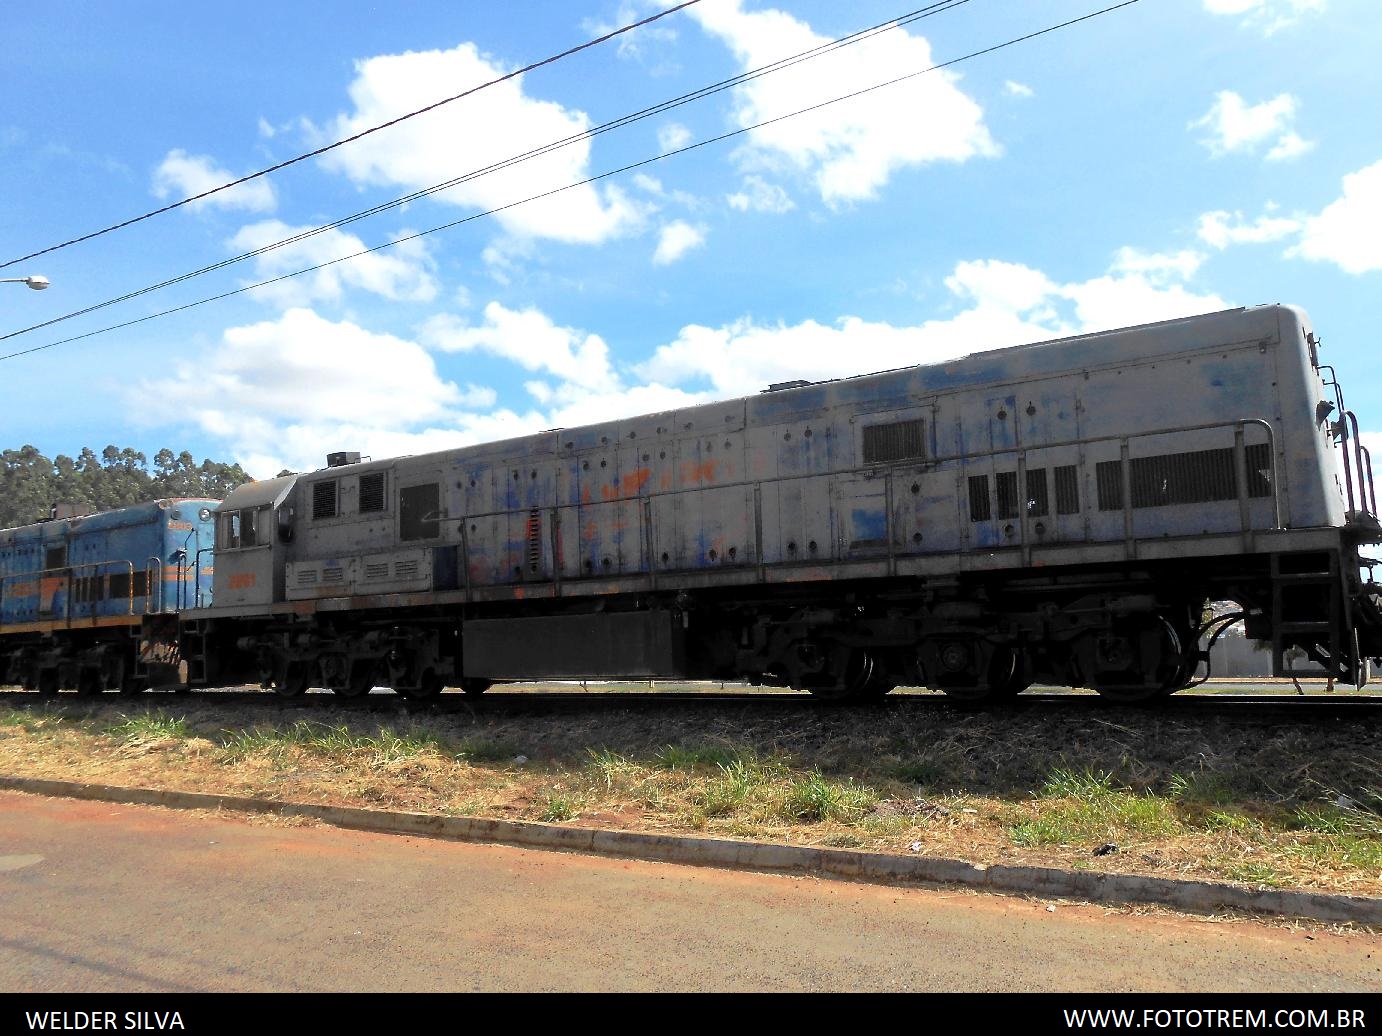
<point>1058,512</point>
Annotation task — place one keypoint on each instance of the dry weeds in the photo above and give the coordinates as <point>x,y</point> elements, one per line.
<point>1279,803</point>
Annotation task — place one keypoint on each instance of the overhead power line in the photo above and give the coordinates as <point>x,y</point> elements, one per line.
<point>580,183</point>
<point>354,137</point>
<point>938,7</point>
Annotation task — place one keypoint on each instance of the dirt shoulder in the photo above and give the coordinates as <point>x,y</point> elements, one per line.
<point>1271,802</point>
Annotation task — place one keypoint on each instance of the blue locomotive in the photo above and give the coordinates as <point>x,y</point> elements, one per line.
<point>80,597</point>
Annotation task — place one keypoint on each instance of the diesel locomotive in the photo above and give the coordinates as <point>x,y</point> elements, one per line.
<point>1057,513</point>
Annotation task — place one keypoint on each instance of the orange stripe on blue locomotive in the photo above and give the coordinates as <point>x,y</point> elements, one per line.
<point>146,559</point>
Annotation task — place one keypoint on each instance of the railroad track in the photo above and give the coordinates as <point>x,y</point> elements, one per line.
<point>1247,706</point>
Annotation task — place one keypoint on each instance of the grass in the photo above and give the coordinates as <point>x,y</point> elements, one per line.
<point>813,799</point>
<point>148,727</point>
<point>1085,808</point>
<point>384,746</point>
<point>1276,803</point>
<point>559,807</point>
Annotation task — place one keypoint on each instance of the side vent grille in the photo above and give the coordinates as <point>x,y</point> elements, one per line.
<point>1007,495</point>
<point>372,492</point>
<point>1038,503</point>
<point>1198,477</point>
<point>1067,490</point>
<point>979,498</point>
<point>901,440</point>
<point>405,570</point>
<point>377,570</point>
<point>534,537</point>
<point>324,499</point>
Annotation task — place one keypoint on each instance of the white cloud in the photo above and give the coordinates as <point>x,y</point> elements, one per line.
<point>1156,266</point>
<point>850,149</point>
<point>758,195</point>
<point>496,124</point>
<point>1220,229</point>
<point>1234,126</point>
<point>401,273</point>
<point>672,136</point>
<point>1003,304</point>
<point>181,175</point>
<point>531,339</point>
<point>1289,146</point>
<point>1015,89</point>
<point>647,44</point>
<point>1348,232</point>
<point>677,238</point>
<point>1270,15</point>
<point>284,392</point>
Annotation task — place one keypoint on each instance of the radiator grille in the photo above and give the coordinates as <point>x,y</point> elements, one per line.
<point>405,569</point>
<point>377,570</point>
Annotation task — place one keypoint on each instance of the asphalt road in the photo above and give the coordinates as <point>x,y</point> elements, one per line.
<point>100,897</point>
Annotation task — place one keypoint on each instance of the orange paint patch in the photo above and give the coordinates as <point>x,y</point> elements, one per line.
<point>243,580</point>
<point>634,483</point>
<point>693,472</point>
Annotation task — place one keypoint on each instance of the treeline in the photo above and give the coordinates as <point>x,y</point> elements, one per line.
<point>31,484</point>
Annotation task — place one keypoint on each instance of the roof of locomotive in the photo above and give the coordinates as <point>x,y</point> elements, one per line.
<point>902,385</point>
<point>119,517</point>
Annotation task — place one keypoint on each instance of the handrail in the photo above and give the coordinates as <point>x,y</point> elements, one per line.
<point>197,572</point>
<point>1342,426</point>
<point>149,568</point>
<point>1238,425</point>
<point>1263,422</point>
<point>1365,490</point>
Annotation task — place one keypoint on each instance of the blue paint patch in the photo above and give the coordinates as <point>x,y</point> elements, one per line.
<point>868,524</point>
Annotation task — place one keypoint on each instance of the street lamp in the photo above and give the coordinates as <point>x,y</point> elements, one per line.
<point>38,282</point>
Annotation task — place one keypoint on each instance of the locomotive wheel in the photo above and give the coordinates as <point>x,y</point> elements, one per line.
<point>473,686</point>
<point>427,688</point>
<point>854,677</point>
<point>293,681</point>
<point>880,684</point>
<point>1000,679</point>
<point>124,680</point>
<point>1022,677</point>
<point>47,683</point>
<point>1162,673</point>
<point>360,683</point>
<point>89,682</point>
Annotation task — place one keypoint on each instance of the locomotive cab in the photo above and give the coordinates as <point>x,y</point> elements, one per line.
<point>254,526</point>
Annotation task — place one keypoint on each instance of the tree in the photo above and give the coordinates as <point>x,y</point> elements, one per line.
<point>30,483</point>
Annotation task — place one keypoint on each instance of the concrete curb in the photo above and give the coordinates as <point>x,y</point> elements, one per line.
<point>881,868</point>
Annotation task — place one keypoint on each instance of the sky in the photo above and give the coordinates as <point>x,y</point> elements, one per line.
<point>1167,158</point>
